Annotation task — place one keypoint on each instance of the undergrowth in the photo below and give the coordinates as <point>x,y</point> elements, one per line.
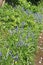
<point>19,30</point>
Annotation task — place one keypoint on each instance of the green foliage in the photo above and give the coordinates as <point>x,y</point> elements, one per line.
<point>25,4</point>
<point>19,31</point>
<point>12,2</point>
<point>34,1</point>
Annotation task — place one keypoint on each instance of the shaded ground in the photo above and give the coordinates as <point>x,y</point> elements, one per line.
<point>39,54</point>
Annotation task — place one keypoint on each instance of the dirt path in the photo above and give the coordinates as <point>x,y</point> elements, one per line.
<point>39,54</point>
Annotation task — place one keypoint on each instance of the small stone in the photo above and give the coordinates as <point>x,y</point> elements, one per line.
<point>40,37</point>
<point>41,58</point>
<point>39,62</point>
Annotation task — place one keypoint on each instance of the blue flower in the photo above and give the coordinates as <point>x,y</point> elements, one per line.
<point>10,52</point>
<point>0,54</point>
<point>15,57</point>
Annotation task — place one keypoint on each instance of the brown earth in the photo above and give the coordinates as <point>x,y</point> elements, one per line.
<point>39,54</point>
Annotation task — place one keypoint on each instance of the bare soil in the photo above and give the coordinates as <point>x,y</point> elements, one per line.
<point>39,54</point>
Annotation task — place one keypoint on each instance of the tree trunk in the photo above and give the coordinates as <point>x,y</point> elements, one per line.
<point>2,2</point>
